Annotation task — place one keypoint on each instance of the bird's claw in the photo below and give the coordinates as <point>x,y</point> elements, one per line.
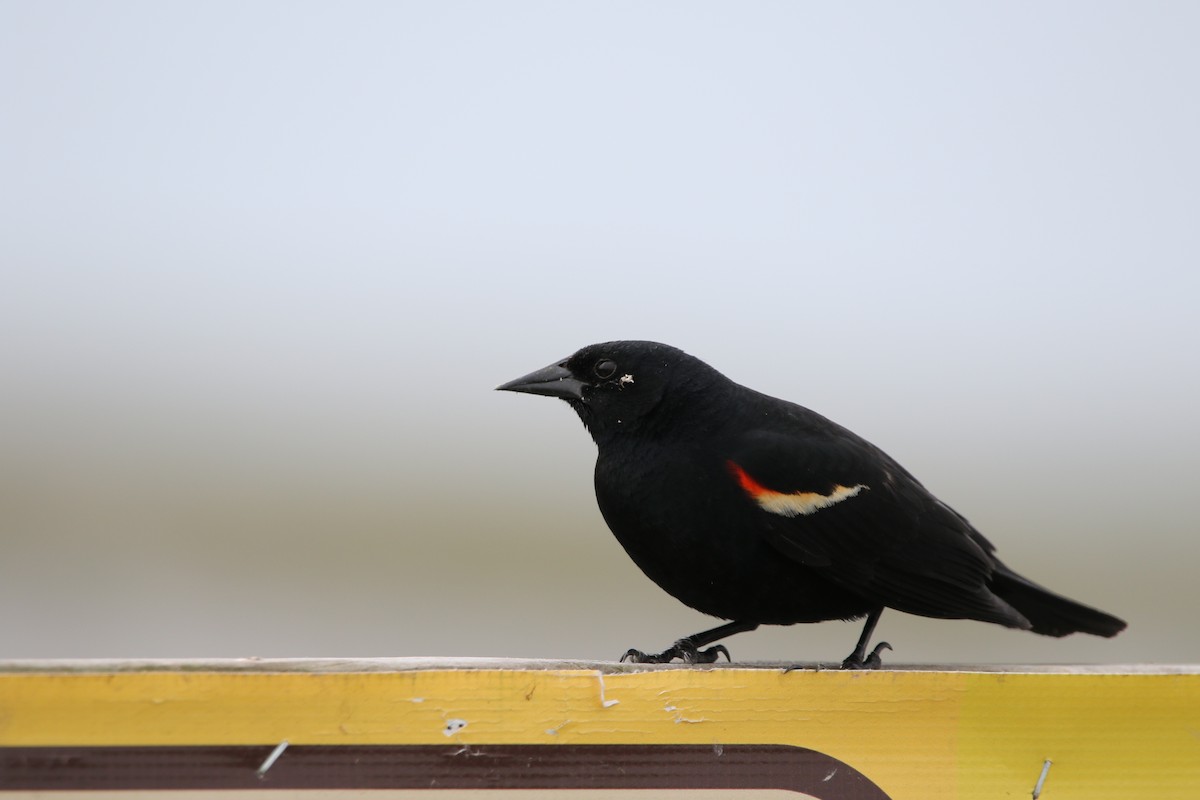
<point>684,649</point>
<point>872,661</point>
<point>692,655</point>
<point>638,657</point>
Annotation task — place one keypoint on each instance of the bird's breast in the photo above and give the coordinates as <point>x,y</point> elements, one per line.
<point>689,528</point>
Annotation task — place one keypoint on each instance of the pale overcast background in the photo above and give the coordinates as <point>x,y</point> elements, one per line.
<point>264,262</point>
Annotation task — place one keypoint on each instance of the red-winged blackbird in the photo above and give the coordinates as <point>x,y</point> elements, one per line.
<point>762,512</point>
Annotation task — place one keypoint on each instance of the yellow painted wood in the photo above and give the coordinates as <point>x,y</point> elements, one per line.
<point>1130,736</point>
<point>917,734</point>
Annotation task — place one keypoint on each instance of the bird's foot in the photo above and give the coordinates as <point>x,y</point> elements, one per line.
<point>873,661</point>
<point>684,649</point>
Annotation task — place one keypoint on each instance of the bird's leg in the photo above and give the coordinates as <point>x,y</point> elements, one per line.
<point>859,659</point>
<point>688,649</point>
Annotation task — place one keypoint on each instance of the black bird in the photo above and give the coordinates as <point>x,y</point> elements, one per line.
<point>762,512</point>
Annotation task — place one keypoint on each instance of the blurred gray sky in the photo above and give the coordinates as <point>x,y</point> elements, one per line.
<point>262,264</point>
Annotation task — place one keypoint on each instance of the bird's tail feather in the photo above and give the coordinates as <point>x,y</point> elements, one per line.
<point>1049,613</point>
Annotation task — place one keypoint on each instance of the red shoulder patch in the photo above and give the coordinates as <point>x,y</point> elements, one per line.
<point>748,484</point>
<point>790,504</point>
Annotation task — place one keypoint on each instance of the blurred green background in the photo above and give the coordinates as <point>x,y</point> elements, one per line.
<point>261,265</point>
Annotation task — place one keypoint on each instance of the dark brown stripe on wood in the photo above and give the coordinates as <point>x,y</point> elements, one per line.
<point>437,767</point>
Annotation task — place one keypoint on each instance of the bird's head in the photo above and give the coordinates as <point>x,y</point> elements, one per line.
<point>622,386</point>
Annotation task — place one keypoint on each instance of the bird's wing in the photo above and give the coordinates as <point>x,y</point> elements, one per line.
<point>838,504</point>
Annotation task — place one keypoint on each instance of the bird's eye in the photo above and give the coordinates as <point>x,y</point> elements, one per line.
<point>605,368</point>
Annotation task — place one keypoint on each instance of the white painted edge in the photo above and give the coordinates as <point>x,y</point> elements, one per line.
<point>429,663</point>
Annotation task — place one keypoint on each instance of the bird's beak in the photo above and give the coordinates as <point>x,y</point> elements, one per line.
<point>553,381</point>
